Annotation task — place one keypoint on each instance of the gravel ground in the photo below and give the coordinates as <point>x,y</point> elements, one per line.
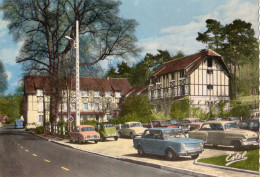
<point>123,148</point>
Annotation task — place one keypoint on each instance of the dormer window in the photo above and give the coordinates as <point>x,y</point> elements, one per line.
<point>39,92</point>
<point>108,93</point>
<point>96,94</point>
<point>209,62</point>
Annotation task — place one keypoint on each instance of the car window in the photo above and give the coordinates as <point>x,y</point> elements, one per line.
<point>255,126</point>
<point>185,121</point>
<point>216,126</point>
<point>135,125</point>
<point>76,129</point>
<point>245,125</point>
<point>174,133</point>
<point>158,134</point>
<point>84,129</point>
<point>155,123</point>
<point>148,134</point>
<point>108,125</point>
<point>206,127</point>
<point>230,125</point>
<point>165,123</point>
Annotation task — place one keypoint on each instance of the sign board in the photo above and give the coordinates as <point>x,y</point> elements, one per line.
<point>71,119</point>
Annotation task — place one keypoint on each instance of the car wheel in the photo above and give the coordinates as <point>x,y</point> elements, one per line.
<point>103,139</point>
<point>116,138</point>
<point>71,141</point>
<point>96,141</point>
<point>119,135</point>
<point>140,151</point>
<point>171,155</point>
<point>132,136</point>
<point>80,141</point>
<point>195,156</point>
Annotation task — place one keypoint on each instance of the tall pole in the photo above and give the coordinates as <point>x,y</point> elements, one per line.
<point>77,76</point>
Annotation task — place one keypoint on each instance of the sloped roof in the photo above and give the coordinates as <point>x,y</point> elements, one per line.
<point>193,61</point>
<point>32,83</point>
<point>137,90</point>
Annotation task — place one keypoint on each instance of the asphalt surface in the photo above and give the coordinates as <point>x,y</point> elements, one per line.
<point>25,155</point>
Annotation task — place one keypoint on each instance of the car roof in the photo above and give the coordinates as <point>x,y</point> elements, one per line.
<point>131,122</point>
<point>81,126</point>
<point>191,118</point>
<point>219,122</point>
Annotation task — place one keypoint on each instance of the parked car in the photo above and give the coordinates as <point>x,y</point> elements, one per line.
<point>131,129</point>
<point>30,126</point>
<point>19,123</point>
<point>1,125</point>
<point>107,130</point>
<point>175,122</point>
<point>171,142</point>
<point>235,119</point>
<point>215,119</point>
<point>225,133</point>
<point>160,123</point>
<point>84,133</point>
<point>188,124</point>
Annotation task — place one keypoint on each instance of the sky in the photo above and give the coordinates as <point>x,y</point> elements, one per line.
<point>170,25</point>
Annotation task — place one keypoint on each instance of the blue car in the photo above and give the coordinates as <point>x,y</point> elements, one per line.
<point>19,123</point>
<point>170,142</point>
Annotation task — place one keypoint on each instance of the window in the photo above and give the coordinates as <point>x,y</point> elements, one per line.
<point>108,94</point>
<point>73,106</point>
<point>85,106</point>
<point>96,94</point>
<point>172,76</point>
<point>84,93</point>
<point>182,90</point>
<point>40,118</point>
<point>40,106</point>
<point>209,62</point>
<point>39,92</point>
<point>209,71</point>
<point>148,134</point>
<point>181,73</point>
<point>210,87</point>
<point>118,94</point>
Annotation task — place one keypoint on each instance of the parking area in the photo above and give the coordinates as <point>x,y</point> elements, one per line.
<point>123,148</point>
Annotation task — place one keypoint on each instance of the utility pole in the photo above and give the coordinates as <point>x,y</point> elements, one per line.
<point>77,76</point>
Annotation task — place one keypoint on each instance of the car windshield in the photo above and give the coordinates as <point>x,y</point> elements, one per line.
<point>84,129</point>
<point>135,125</point>
<point>245,125</point>
<point>174,133</point>
<point>234,118</point>
<point>255,125</point>
<point>108,125</point>
<point>230,125</point>
<point>185,121</point>
<point>174,121</point>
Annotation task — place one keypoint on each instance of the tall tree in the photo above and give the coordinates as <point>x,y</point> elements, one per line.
<point>235,42</point>
<point>43,25</point>
<point>3,79</point>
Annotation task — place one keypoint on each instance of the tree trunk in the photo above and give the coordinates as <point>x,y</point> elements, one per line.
<point>248,80</point>
<point>239,71</point>
<point>44,111</point>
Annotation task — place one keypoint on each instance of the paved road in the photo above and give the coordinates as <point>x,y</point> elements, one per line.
<point>23,154</point>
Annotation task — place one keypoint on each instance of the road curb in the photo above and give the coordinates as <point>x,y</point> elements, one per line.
<point>225,168</point>
<point>138,162</point>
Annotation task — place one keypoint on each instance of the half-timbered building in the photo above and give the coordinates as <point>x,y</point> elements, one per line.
<point>202,77</point>
<point>99,98</point>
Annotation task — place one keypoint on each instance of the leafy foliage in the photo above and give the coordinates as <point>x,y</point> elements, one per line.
<point>180,109</point>
<point>3,79</point>
<point>40,130</point>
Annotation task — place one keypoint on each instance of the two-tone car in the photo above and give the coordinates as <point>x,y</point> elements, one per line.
<point>189,124</point>
<point>225,133</point>
<point>131,129</point>
<point>107,130</point>
<point>84,133</point>
<point>169,142</point>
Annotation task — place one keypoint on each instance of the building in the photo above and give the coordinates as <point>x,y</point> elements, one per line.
<point>99,98</point>
<point>202,77</point>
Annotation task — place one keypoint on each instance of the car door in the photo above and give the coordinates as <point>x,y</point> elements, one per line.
<point>216,134</point>
<point>159,143</point>
<point>148,141</point>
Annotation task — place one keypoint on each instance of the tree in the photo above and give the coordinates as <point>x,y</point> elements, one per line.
<point>43,25</point>
<point>235,42</point>
<point>180,109</point>
<point>3,79</point>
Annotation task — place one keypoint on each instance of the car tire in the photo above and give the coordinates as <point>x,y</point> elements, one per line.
<point>132,136</point>
<point>115,138</point>
<point>96,141</point>
<point>195,156</point>
<point>80,141</point>
<point>140,151</point>
<point>103,139</point>
<point>171,155</point>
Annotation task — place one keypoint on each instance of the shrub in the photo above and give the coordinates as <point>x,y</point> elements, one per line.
<point>89,122</point>
<point>180,109</point>
<point>40,130</point>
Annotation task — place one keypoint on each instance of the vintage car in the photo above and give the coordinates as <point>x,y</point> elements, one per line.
<point>225,133</point>
<point>131,129</point>
<point>171,142</point>
<point>19,123</point>
<point>160,123</point>
<point>188,124</point>
<point>215,119</point>
<point>84,133</point>
<point>107,130</point>
<point>234,119</point>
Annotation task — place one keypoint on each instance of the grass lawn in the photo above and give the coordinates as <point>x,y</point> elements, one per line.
<point>252,162</point>
<point>248,99</point>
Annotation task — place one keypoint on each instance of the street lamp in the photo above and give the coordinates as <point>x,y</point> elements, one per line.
<point>76,43</point>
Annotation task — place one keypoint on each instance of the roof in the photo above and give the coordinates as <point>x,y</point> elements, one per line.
<point>32,83</point>
<point>164,128</point>
<point>137,90</point>
<point>192,61</point>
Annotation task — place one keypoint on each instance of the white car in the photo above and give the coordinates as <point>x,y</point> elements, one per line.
<point>131,129</point>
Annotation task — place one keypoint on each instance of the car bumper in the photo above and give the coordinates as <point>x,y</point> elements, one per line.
<point>250,143</point>
<point>189,153</point>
